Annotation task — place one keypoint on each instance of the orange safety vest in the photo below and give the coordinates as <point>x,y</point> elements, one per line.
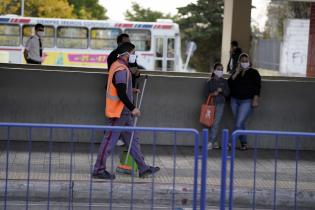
<point>114,105</point>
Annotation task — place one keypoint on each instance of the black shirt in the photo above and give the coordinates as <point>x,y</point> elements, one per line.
<point>247,86</point>
<point>234,59</point>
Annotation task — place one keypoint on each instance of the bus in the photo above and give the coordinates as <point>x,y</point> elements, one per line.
<point>87,43</point>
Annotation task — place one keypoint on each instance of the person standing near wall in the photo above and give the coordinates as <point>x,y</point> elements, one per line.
<point>245,86</point>
<point>121,112</point>
<point>217,87</point>
<point>33,52</point>
<point>235,53</point>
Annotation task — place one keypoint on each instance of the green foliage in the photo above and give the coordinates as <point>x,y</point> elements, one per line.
<point>9,7</point>
<point>82,9</point>
<point>144,14</point>
<point>279,11</point>
<point>88,9</point>
<point>35,8</point>
<point>202,22</point>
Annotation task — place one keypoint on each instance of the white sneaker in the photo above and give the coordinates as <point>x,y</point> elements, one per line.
<point>210,146</point>
<point>120,143</point>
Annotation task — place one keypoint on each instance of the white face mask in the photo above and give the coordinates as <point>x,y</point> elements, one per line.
<point>132,58</point>
<point>245,65</point>
<point>40,33</point>
<point>218,73</point>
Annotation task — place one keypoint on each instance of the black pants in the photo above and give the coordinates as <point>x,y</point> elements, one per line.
<point>30,61</point>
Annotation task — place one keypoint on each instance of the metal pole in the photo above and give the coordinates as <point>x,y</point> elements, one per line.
<point>22,8</point>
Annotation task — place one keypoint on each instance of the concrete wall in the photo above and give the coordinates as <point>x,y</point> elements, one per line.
<point>77,97</point>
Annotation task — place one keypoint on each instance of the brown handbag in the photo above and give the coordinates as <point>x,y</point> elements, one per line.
<point>207,113</point>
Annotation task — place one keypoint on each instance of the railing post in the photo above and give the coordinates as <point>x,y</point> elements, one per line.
<point>225,139</point>
<point>203,193</point>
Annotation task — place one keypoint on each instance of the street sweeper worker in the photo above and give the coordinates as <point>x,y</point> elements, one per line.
<point>120,111</point>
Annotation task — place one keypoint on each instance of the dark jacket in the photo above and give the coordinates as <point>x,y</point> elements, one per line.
<point>247,86</point>
<point>234,59</point>
<point>213,84</point>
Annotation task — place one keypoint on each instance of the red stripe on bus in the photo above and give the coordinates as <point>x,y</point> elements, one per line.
<point>25,20</point>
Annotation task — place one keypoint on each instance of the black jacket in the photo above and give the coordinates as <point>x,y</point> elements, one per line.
<point>234,58</point>
<point>245,86</point>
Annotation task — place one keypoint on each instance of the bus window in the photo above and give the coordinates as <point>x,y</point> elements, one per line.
<point>72,37</point>
<point>170,48</point>
<point>159,47</point>
<point>140,38</point>
<point>48,39</point>
<point>104,38</point>
<point>9,35</point>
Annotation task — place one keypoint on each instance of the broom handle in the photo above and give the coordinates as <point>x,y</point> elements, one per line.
<point>136,120</point>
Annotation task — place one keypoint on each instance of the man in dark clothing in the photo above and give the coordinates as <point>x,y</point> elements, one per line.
<point>122,38</point>
<point>235,53</point>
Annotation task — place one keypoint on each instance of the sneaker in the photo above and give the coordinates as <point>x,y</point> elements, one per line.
<point>149,171</point>
<point>104,175</point>
<point>216,145</point>
<point>210,146</point>
<point>120,143</point>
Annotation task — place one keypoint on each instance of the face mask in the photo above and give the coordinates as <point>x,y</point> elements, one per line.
<point>132,58</point>
<point>40,33</point>
<point>245,65</point>
<point>218,73</point>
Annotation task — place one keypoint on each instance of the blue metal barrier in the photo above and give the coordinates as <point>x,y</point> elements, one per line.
<point>226,157</point>
<point>71,183</point>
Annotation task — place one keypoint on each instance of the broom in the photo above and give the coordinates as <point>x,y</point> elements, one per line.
<point>125,168</point>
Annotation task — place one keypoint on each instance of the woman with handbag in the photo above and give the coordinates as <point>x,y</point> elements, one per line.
<point>245,85</point>
<point>218,89</point>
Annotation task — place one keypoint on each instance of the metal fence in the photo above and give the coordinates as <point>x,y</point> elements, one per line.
<point>271,196</point>
<point>54,175</point>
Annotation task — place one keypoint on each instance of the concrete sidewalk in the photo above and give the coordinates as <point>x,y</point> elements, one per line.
<point>79,189</point>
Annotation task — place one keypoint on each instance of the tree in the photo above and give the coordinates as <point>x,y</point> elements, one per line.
<point>277,12</point>
<point>144,14</point>
<point>9,7</point>
<point>202,23</point>
<point>88,9</point>
<point>35,8</point>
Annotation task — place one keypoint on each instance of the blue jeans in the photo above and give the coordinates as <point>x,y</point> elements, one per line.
<point>219,108</point>
<point>241,110</point>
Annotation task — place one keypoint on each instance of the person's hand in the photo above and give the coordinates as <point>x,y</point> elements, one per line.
<point>137,91</point>
<point>237,71</point>
<point>255,102</point>
<point>215,93</point>
<point>135,71</point>
<point>136,112</point>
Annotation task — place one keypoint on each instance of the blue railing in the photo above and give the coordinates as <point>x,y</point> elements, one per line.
<point>92,129</point>
<point>226,157</point>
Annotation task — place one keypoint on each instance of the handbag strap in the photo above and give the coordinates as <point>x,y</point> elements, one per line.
<point>210,100</point>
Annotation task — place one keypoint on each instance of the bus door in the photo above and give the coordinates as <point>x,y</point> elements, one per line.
<point>164,56</point>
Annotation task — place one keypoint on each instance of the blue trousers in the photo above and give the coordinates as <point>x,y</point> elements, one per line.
<point>110,139</point>
<point>219,108</point>
<point>241,110</point>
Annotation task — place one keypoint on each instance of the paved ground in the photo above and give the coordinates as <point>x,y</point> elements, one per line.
<point>82,161</point>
